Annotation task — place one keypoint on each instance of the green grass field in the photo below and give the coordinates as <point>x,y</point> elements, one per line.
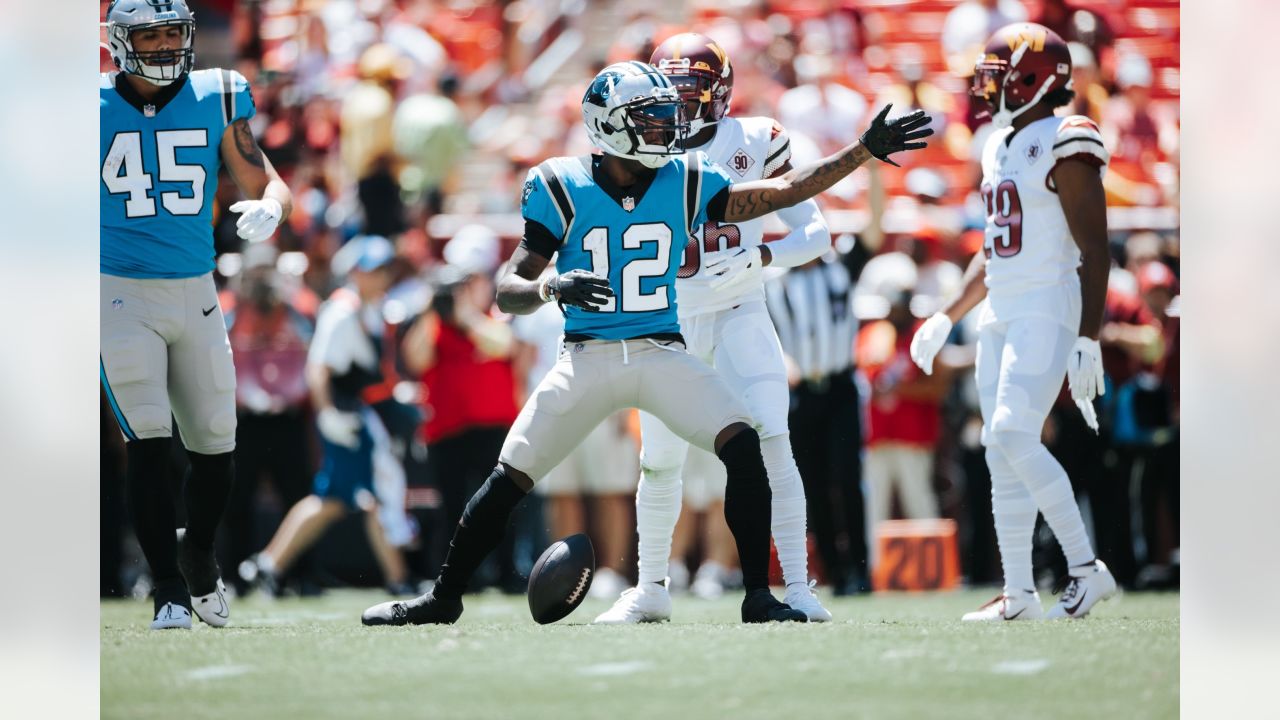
<point>886,656</point>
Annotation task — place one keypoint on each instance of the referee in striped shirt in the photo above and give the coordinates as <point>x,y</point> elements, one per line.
<point>812,309</point>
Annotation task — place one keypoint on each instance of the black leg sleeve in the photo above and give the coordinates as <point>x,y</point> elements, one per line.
<point>208,488</point>
<point>151,503</point>
<point>481,529</point>
<point>747,506</point>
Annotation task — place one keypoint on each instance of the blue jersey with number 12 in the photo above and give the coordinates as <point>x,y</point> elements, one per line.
<point>159,173</point>
<point>636,242</point>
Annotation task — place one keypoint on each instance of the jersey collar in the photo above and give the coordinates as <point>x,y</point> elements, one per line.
<point>619,194</point>
<point>131,96</point>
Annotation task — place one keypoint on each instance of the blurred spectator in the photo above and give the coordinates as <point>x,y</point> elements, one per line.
<point>1136,128</point>
<point>937,278</point>
<point>367,142</point>
<point>342,362</point>
<point>463,355</point>
<point>812,309</point>
<point>903,417</point>
<point>593,489</point>
<point>269,338</point>
<point>1158,411</point>
<point>1076,24</point>
<point>430,136</point>
<point>969,24</point>
<point>818,112</point>
<point>1091,97</point>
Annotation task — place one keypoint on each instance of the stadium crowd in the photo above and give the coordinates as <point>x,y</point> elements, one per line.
<point>416,121</point>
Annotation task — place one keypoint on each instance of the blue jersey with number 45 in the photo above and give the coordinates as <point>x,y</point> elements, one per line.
<point>636,242</point>
<point>159,172</point>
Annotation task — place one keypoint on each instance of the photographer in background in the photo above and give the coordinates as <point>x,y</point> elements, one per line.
<point>463,356</point>
<point>342,363</point>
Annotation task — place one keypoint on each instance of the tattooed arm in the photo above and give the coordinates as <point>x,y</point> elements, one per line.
<point>746,201</point>
<point>251,169</point>
<point>750,200</point>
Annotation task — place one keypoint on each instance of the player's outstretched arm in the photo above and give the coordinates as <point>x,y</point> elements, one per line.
<point>747,201</point>
<point>270,201</point>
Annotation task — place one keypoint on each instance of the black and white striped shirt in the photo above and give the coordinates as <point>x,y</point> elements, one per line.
<point>812,309</point>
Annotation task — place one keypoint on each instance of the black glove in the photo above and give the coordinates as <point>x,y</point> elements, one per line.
<point>884,138</point>
<point>581,289</point>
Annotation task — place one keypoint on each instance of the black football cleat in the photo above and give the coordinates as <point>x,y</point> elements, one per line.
<point>423,610</point>
<point>760,606</point>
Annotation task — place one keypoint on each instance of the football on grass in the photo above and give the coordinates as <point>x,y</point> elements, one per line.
<point>561,578</point>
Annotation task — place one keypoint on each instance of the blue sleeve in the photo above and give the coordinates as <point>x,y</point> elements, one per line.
<point>242,106</point>
<point>537,205</point>
<point>713,179</point>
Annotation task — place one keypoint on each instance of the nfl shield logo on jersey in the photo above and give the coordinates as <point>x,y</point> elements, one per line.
<point>628,203</point>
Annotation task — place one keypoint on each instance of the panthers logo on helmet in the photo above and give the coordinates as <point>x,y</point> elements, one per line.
<point>158,67</point>
<point>632,111</point>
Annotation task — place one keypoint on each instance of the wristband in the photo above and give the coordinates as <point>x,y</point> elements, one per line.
<point>544,290</point>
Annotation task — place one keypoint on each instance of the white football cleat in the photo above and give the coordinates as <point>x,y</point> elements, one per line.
<point>171,616</point>
<point>800,596</point>
<point>647,602</point>
<point>213,608</point>
<point>606,584</point>
<point>1087,586</point>
<point>1017,606</point>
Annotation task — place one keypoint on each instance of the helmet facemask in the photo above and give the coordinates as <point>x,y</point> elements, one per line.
<point>992,78</point>
<point>158,67</point>
<point>649,127</point>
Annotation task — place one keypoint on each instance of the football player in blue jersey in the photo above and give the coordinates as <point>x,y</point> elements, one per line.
<point>617,223</point>
<point>166,130</point>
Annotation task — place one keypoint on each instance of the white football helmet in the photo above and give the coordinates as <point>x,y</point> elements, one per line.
<point>632,110</point>
<point>124,17</point>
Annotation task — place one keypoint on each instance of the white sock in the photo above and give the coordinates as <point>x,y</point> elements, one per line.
<point>788,517</point>
<point>1051,489</point>
<point>657,509</point>
<point>1015,516</point>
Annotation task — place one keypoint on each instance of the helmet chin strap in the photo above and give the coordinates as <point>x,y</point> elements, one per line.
<point>1004,117</point>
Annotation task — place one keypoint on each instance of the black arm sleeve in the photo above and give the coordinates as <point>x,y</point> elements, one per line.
<point>717,205</point>
<point>539,240</point>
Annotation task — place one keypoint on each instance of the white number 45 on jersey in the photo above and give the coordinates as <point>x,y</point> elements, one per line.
<point>122,171</point>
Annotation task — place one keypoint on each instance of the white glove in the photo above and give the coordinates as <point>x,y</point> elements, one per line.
<point>1084,370</point>
<point>1086,378</point>
<point>339,428</point>
<point>733,266</point>
<point>929,339</point>
<point>260,218</point>
<point>1090,415</point>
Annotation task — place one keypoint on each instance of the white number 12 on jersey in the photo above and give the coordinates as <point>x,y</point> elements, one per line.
<point>632,299</point>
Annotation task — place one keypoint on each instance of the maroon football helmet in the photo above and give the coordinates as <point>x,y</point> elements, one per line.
<point>1021,64</point>
<point>700,70</point>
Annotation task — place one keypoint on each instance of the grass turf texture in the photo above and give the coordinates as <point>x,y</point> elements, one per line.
<point>885,656</point>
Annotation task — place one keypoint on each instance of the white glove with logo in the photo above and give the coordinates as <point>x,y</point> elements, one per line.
<point>1085,377</point>
<point>339,428</point>
<point>733,266</point>
<point>260,218</point>
<point>929,339</point>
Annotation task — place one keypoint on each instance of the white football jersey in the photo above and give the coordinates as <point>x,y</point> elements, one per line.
<point>1031,257</point>
<point>747,149</point>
